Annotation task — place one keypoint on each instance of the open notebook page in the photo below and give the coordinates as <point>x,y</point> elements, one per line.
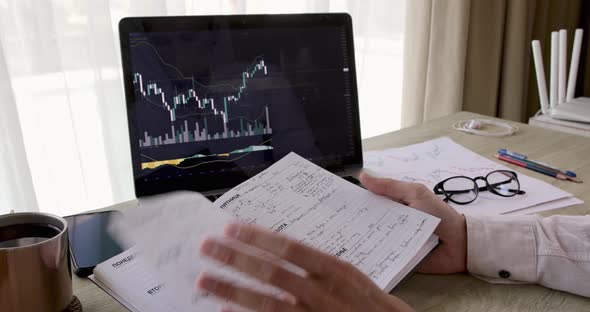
<point>308,203</point>
<point>294,197</point>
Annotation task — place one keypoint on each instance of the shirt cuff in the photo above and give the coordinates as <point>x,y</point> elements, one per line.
<point>502,249</point>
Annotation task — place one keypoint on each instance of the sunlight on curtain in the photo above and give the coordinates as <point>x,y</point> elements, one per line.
<point>63,64</point>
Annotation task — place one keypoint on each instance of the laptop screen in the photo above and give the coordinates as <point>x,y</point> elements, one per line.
<point>215,100</point>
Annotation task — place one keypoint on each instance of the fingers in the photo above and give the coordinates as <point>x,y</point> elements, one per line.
<point>244,297</point>
<point>265,270</point>
<point>330,285</point>
<point>326,273</point>
<point>311,260</point>
<point>400,191</point>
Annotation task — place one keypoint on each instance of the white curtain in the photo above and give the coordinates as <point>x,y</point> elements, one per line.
<point>16,186</point>
<point>64,140</point>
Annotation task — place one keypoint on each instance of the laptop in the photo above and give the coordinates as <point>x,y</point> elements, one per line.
<point>214,100</point>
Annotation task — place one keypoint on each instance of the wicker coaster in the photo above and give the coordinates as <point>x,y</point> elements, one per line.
<point>75,306</point>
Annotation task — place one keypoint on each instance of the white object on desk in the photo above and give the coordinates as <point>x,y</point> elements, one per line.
<point>561,105</point>
<point>562,66</point>
<point>572,127</point>
<point>565,112</point>
<point>541,81</point>
<point>554,77</point>
<point>486,127</point>
<point>573,76</point>
<point>577,109</point>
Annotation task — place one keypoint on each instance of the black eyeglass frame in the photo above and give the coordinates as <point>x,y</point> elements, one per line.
<point>438,189</point>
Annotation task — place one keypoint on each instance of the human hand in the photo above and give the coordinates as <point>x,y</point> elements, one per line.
<point>451,255</point>
<point>328,284</point>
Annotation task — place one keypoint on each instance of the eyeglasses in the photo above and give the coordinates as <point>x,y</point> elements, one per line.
<point>464,190</point>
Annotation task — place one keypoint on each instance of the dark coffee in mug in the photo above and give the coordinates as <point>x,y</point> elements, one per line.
<point>20,235</point>
<point>35,272</point>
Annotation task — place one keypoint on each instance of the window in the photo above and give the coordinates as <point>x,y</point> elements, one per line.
<point>64,67</point>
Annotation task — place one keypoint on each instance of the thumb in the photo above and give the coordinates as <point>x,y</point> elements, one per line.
<point>394,189</point>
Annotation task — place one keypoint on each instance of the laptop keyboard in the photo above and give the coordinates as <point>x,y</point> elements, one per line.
<point>350,179</point>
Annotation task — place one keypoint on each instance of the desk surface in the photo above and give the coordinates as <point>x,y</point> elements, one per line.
<point>461,292</point>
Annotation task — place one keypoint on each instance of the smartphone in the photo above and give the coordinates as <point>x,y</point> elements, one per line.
<point>90,241</point>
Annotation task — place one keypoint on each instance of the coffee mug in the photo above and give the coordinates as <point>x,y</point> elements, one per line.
<point>35,272</point>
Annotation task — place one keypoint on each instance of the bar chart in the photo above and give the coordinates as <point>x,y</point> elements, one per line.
<point>201,132</point>
<point>189,101</point>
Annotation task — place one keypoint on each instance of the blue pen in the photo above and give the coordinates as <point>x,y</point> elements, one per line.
<point>504,151</point>
<point>522,157</point>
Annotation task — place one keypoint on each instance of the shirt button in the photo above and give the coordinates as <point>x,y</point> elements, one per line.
<point>504,274</point>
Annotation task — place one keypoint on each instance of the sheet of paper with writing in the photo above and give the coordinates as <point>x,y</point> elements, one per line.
<point>303,201</point>
<point>435,160</point>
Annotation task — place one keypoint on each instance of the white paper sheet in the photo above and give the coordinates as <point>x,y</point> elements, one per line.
<point>433,161</point>
<point>559,203</point>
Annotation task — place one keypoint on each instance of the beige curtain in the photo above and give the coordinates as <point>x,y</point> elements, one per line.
<point>475,55</point>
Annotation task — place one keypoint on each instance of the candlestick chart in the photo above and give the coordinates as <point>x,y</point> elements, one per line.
<point>228,103</point>
<point>179,108</point>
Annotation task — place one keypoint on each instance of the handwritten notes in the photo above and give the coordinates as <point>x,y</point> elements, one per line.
<point>299,199</point>
<point>433,161</point>
<point>382,238</point>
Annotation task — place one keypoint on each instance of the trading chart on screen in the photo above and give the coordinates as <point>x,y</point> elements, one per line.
<point>205,100</point>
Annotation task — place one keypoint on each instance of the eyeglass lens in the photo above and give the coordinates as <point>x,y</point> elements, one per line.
<point>460,189</point>
<point>503,183</point>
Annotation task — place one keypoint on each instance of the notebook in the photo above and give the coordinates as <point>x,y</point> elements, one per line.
<point>382,238</point>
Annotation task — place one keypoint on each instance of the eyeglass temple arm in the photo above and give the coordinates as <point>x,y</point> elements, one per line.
<point>481,189</point>
<point>437,189</point>
<point>519,192</point>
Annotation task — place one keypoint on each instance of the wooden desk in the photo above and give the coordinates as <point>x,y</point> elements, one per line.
<point>462,292</point>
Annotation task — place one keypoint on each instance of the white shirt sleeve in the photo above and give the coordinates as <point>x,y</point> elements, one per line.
<point>553,251</point>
